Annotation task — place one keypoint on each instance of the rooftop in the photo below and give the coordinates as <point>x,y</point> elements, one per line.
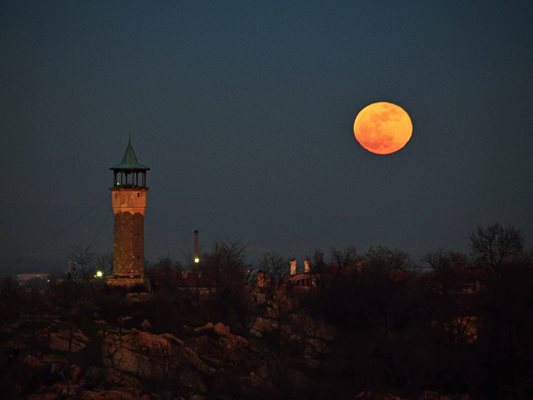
<point>129,160</point>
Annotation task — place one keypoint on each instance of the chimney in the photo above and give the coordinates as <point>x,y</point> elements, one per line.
<point>293,266</point>
<point>307,265</point>
<point>196,247</point>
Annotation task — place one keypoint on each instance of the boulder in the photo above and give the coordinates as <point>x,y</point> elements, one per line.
<point>42,396</point>
<point>108,395</point>
<point>204,328</point>
<point>57,391</point>
<point>431,395</point>
<point>71,340</point>
<point>146,325</point>
<point>94,376</point>
<point>314,347</point>
<point>149,355</point>
<point>375,396</point>
<point>197,397</point>
<point>222,330</point>
<point>32,362</point>
<point>262,371</point>
<point>74,373</point>
<point>193,381</point>
<point>120,380</point>
<point>312,328</point>
<point>262,325</point>
<point>226,338</point>
<point>55,358</point>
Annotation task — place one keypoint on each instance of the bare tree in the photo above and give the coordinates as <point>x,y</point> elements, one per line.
<point>81,258</point>
<point>442,261</point>
<point>274,266</point>
<point>105,262</point>
<point>319,264</point>
<point>384,259</point>
<point>496,244</point>
<point>343,258</point>
<point>225,268</point>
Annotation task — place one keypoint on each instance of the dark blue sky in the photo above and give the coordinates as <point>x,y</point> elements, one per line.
<point>244,112</point>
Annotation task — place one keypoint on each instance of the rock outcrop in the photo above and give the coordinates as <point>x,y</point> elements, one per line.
<point>148,355</point>
<point>71,340</point>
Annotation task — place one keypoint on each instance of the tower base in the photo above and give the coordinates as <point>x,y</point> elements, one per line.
<point>126,281</point>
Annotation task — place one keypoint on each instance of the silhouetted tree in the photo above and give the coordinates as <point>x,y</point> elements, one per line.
<point>10,293</point>
<point>383,259</point>
<point>274,266</point>
<point>104,262</point>
<point>225,268</point>
<point>165,274</point>
<point>343,258</point>
<point>81,257</point>
<point>496,244</point>
<point>318,261</point>
<point>442,261</point>
<point>448,270</point>
<point>505,347</point>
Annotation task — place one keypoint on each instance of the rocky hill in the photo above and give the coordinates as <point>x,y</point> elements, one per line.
<point>83,340</point>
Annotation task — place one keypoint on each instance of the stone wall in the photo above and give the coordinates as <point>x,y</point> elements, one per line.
<point>128,255</point>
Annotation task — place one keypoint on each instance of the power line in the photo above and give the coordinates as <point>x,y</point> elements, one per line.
<point>63,230</point>
<point>108,214</point>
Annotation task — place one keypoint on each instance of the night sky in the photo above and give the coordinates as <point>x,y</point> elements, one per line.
<point>244,111</point>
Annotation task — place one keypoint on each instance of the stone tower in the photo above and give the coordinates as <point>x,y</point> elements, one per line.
<point>129,202</point>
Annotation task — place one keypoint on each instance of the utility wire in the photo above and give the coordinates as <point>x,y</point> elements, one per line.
<point>70,225</point>
<point>108,214</point>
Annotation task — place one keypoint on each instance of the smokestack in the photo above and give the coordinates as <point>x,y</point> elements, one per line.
<point>307,265</point>
<point>293,266</point>
<point>196,247</point>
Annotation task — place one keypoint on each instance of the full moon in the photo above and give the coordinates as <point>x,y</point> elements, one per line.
<point>382,128</point>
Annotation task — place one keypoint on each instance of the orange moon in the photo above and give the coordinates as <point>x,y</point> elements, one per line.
<point>382,128</point>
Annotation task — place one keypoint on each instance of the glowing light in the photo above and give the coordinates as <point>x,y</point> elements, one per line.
<point>196,260</point>
<point>98,274</point>
<point>383,128</point>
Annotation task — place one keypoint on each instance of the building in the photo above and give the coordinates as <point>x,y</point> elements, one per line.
<point>301,281</point>
<point>305,280</point>
<point>128,199</point>
<point>35,279</point>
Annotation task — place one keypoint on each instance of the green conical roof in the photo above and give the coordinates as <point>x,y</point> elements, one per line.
<point>129,160</point>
